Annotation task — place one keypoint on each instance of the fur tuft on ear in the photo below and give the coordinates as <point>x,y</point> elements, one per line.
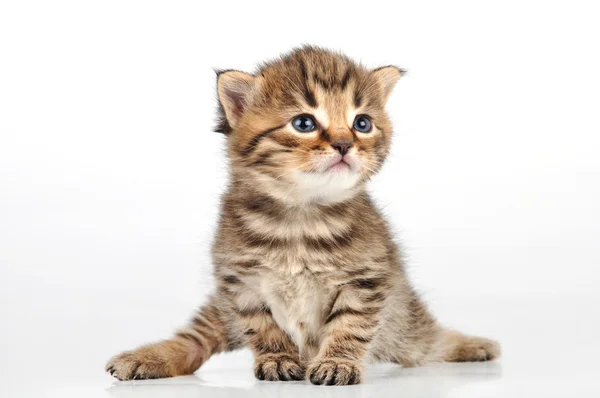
<point>388,76</point>
<point>234,90</point>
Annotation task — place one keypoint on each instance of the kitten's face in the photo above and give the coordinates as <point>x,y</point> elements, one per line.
<point>309,128</point>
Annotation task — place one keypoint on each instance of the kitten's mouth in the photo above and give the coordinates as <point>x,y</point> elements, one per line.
<point>338,166</point>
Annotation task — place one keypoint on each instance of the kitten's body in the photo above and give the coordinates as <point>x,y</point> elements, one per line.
<point>308,274</point>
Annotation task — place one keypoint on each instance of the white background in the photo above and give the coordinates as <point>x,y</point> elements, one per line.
<point>110,174</point>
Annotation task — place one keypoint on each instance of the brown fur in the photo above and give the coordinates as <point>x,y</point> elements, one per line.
<point>308,275</point>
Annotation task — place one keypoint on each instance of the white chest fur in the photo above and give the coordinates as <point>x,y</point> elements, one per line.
<point>297,303</point>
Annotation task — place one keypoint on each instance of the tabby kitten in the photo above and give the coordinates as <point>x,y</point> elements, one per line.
<point>308,275</point>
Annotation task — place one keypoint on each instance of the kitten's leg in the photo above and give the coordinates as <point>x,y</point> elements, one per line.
<point>181,355</point>
<point>349,328</point>
<point>277,357</point>
<point>413,337</point>
<point>457,347</point>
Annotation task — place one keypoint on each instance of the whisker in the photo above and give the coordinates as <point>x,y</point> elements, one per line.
<point>292,170</point>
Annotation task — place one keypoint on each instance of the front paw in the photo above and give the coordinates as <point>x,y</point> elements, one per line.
<point>279,367</point>
<point>136,365</point>
<point>334,372</point>
<point>153,361</point>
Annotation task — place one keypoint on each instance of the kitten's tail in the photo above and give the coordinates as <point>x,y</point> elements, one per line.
<point>206,334</point>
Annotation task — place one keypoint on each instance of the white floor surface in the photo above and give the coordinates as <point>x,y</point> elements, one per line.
<point>58,347</point>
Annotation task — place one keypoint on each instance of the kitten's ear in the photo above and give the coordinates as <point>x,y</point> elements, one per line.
<point>388,76</point>
<point>234,90</point>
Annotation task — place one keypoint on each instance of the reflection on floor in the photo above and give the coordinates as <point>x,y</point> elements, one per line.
<point>58,348</point>
<point>381,380</point>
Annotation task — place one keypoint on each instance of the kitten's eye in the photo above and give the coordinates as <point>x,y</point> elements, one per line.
<point>362,123</point>
<point>304,123</point>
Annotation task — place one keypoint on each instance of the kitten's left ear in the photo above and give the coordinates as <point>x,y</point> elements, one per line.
<point>234,89</point>
<point>388,76</point>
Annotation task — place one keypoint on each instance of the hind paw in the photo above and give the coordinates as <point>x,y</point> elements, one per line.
<point>476,349</point>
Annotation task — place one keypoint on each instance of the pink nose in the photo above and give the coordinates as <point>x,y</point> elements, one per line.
<point>342,147</point>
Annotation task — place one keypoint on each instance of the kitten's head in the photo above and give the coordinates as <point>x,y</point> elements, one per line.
<point>307,128</point>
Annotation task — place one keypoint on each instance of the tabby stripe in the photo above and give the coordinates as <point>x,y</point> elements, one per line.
<point>231,279</point>
<point>196,338</point>
<point>375,297</point>
<point>351,352</point>
<point>256,140</point>
<point>357,99</point>
<point>356,272</point>
<point>265,348</point>
<point>246,264</point>
<point>350,311</point>
<point>263,205</point>
<point>327,85</point>
<point>254,240</point>
<point>339,210</point>
<point>346,78</point>
<point>383,259</point>
<point>263,160</point>
<point>308,95</point>
<point>250,312</point>
<point>371,283</point>
<point>328,244</point>
<point>201,323</point>
<point>287,141</point>
<point>353,337</point>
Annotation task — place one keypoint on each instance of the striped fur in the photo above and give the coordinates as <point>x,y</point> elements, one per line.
<point>308,275</point>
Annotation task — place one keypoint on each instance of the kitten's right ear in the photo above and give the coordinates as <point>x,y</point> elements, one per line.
<point>234,89</point>
<point>388,76</point>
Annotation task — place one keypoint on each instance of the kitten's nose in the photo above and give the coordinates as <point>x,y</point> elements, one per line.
<point>342,146</point>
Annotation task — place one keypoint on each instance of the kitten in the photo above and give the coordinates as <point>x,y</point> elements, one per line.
<point>308,275</point>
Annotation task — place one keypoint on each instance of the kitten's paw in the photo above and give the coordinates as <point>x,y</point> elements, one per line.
<point>334,371</point>
<point>279,367</point>
<point>139,364</point>
<point>476,349</point>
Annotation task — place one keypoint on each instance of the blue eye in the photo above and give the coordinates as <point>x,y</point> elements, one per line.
<point>304,123</point>
<point>362,123</point>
